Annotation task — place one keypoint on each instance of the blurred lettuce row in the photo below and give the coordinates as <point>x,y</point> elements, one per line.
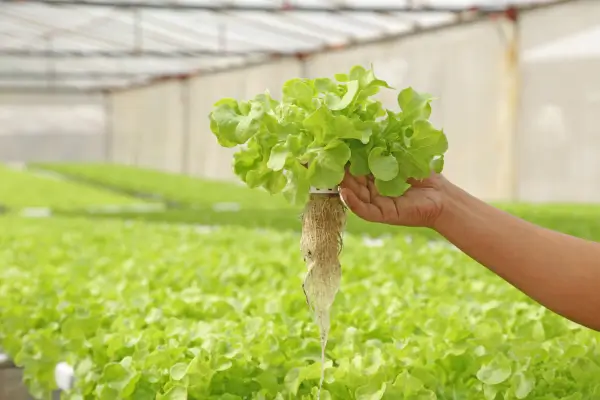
<point>151,311</point>
<point>160,186</point>
<point>22,189</point>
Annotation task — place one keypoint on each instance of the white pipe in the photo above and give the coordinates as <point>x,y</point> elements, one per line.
<point>64,376</point>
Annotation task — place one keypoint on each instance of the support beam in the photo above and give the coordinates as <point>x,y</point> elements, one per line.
<point>75,75</point>
<point>226,6</point>
<point>186,130</point>
<point>138,31</point>
<point>107,101</point>
<point>509,85</point>
<point>39,90</point>
<point>181,53</point>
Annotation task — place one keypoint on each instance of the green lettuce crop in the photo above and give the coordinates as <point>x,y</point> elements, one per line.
<point>320,126</point>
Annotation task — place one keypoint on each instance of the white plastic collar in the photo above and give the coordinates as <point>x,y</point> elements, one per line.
<point>64,376</point>
<point>315,190</point>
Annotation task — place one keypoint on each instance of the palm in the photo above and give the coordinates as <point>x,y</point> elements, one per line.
<point>418,206</point>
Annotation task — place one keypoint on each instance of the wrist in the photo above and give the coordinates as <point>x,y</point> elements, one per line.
<point>452,204</point>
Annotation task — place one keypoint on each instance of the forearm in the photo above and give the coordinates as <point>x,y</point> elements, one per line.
<point>559,271</point>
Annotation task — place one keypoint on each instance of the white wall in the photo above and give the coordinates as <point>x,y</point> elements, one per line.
<point>124,112</point>
<point>559,140</point>
<point>549,25</point>
<point>46,126</point>
<point>147,126</point>
<point>558,131</point>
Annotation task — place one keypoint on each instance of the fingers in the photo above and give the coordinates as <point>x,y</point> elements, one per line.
<point>372,189</point>
<point>358,185</point>
<point>385,205</point>
<point>364,210</point>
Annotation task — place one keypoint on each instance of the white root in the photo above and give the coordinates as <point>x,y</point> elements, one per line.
<point>323,222</point>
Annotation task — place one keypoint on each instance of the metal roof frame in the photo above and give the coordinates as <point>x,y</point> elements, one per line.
<point>95,45</point>
<point>283,6</point>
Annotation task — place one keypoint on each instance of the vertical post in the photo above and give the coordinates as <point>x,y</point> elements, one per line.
<point>138,112</point>
<point>513,72</point>
<point>185,142</point>
<point>303,64</point>
<point>222,36</point>
<point>108,127</point>
<point>50,63</point>
<point>138,33</point>
<point>304,67</point>
<point>509,105</point>
<point>138,36</point>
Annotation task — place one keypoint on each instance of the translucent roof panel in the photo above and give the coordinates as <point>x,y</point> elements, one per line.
<point>96,44</point>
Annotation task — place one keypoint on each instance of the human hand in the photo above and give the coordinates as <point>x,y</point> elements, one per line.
<point>419,206</point>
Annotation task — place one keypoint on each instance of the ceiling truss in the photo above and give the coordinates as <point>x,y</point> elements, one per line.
<point>96,44</point>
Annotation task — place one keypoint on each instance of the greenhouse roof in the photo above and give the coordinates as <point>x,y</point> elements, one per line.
<point>96,44</point>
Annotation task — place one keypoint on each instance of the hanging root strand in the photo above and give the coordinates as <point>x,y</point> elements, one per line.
<point>321,243</point>
<point>323,222</point>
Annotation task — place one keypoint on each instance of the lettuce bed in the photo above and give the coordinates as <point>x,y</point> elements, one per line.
<point>22,189</point>
<point>184,189</point>
<point>147,311</point>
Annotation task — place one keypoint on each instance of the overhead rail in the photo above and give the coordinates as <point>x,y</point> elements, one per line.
<point>245,7</point>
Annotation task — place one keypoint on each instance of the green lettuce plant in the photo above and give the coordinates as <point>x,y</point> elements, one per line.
<point>328,124</point>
